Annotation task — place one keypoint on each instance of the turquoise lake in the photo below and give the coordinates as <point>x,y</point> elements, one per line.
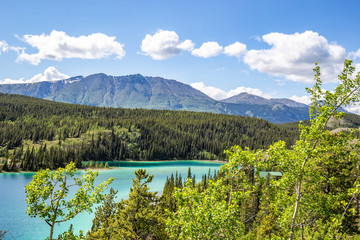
<point>13,205</point>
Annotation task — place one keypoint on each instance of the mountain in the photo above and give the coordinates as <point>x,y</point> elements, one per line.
<point>137,91</point>
<point>246,98</point>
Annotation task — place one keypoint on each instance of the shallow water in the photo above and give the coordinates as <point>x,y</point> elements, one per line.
<point>14,220</point>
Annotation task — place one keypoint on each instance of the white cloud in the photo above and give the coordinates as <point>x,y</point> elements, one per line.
<point>292,56</point>
<point>164,44</point>
<point>235,50</point>
<point>58,45</point>
<point>50,74</point>
<point>213,92</point>
<point>219,94</point>
<point>357,67</point>
<point>355,54</point>
<point>354,108</point>
<point>302,99</point>
<point>3,46</point>
<point>208,49</point>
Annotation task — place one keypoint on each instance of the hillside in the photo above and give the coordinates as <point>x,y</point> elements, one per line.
<point>39,133</point>
<point>137,91</point>
<point>246,98</point>
<point>347,122</point>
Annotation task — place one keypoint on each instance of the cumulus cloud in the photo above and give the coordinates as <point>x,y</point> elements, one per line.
<point>355,54</point>
<point>58,45</point>
<point>164,44</point>
<point>292,56</point>
<point>354,108</point>
<point>235,50</point>
<point>302,99</point>
<point>50,74</point>
<point>219,94</point>
<point>208,49</point>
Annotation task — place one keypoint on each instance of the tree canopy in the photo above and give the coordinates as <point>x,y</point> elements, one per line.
<point>47,194</point>
<point>317,196</point>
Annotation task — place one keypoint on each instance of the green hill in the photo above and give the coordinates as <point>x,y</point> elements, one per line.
<point>39,133</point>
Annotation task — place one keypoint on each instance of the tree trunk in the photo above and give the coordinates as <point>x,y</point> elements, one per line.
<point>52,231</point>
<point>297,203</point>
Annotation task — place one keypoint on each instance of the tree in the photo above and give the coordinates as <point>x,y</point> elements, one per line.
<point>205,214</point>
<point>316,197</point>
<point>316,149</point>
<point>47,194</point>
<point>140,216</point>
<point>104,217</point>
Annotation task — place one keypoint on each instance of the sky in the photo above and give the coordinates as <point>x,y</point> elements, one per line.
<point>222,48</point>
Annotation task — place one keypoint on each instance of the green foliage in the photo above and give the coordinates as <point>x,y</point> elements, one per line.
<point>138,217</point>
<point>104,218</point>
<point>69,235</point>
<point>167,199</point>
<point>317,196</point>
<point>38,134</point>
<point>205,215</point>
<point>47,194</point>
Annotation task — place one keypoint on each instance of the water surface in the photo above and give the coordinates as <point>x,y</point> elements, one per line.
<point>13,205</point>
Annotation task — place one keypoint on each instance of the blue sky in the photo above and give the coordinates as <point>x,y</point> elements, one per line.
<point>220,47</point>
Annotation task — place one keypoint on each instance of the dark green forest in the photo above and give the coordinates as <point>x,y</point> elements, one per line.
<point>37,134</point>
<point>315,196</point>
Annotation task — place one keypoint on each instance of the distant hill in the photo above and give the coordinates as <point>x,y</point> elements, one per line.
<point>37,134</point>
<point>137,91</point>
<point>246,98</point>
<point>347,122</point>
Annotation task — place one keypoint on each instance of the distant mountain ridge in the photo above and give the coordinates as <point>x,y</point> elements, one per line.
<point>247,98</point>
<point>137,91</point>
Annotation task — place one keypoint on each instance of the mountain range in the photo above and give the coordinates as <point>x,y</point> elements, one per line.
<point>137,91</point>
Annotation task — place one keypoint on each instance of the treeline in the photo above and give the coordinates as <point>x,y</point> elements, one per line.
<point>222,206</point>
<point>144,214</point>
<point>36,134</point>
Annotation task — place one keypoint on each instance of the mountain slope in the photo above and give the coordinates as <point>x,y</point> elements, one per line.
<point>38,134</point>
<point>246,98</point>
<point>137,91</point>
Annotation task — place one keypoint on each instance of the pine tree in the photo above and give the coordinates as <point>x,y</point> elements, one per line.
<point>189,174</point>
<point>104,218</point>
<point>5,166</point>
<point>140,216</point>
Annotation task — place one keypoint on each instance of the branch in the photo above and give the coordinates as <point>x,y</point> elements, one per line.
<point>339,105</point>
<point>348,205</point>
<point>60,196</point>
<point>298,187</point>
<point>51,194</point>
<point>47,222</point>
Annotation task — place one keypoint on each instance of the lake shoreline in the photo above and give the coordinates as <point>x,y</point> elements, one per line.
<point>132,161</point>
<point>23,227</point>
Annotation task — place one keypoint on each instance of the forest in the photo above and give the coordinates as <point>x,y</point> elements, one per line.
<point>38,134</point>
<point>317,195</point>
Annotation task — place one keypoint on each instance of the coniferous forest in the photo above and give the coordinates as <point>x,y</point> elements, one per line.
<point>38,134</point>
<point>317,195</point>
<point>290,181</point>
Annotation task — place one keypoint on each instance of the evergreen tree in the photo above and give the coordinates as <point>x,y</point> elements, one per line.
<point>104,218</point>
<point>189,174</point>
<point>140,216</point>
